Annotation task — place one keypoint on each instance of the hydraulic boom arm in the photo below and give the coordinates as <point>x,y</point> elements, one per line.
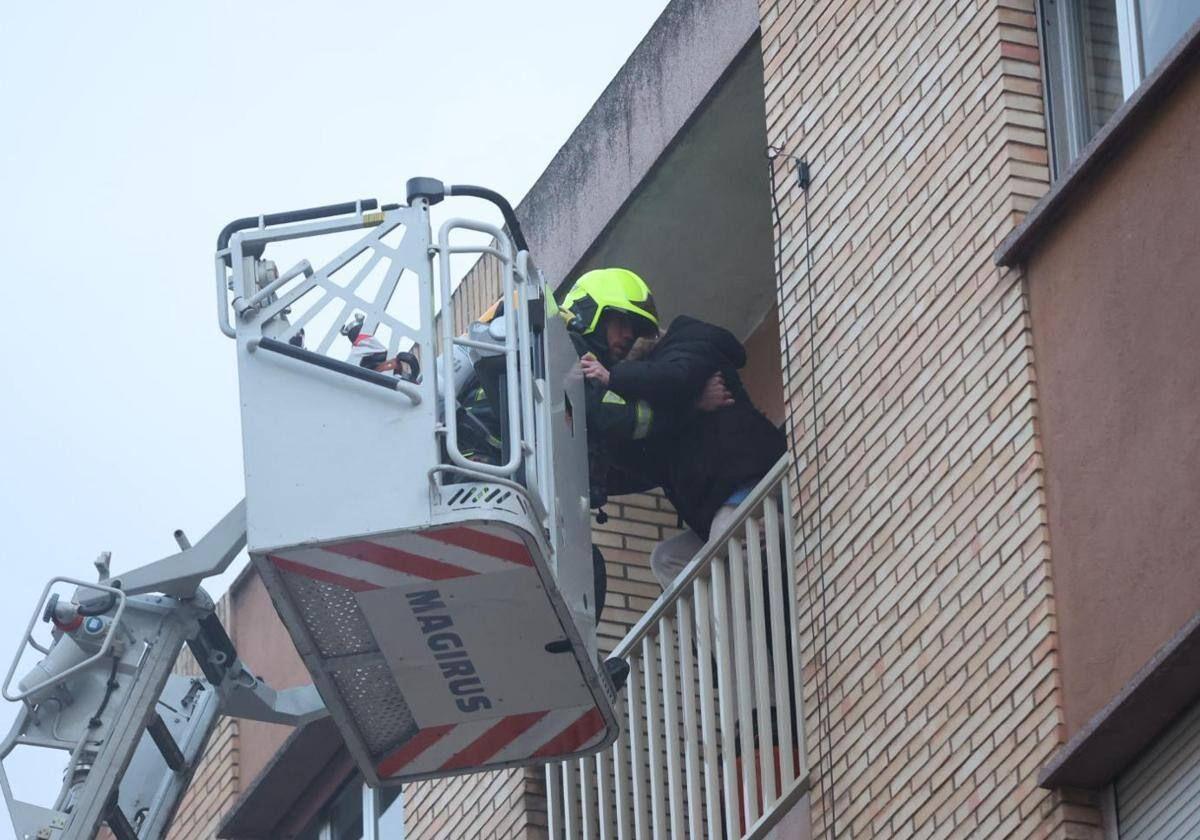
<point>105,694</point>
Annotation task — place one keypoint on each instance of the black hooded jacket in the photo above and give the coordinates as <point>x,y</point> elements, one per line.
<point>706,456</point>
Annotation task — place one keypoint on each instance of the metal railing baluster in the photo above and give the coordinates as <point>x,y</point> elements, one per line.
<point>709,661</point>
<point>763,758</point>
<point>691,748</point>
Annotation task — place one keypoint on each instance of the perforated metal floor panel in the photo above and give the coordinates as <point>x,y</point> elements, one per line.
<point>441,652</point>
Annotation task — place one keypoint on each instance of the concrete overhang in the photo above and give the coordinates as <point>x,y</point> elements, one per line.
<point>698,227</point>
<point>666,175</point>
<point>300,778</point>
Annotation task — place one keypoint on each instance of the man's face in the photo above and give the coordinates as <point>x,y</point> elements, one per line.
<point>619,335</point>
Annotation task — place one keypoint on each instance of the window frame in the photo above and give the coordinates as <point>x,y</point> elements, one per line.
<point>1129,31</point>
<point>1063,73</point>
<point>372,808</point>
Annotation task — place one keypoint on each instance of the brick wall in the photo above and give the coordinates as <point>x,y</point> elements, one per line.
<point>216,783</point>
<point>932,696</point>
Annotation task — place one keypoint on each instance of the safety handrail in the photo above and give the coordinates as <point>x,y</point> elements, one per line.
<point>536,476</point>
<point>392,383</point>
<point>510,347</point>
<point>716,543</point>
<point>223,321</point>
<point>77,667</point>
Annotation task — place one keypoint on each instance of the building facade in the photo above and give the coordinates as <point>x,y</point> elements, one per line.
<point>956,242</point>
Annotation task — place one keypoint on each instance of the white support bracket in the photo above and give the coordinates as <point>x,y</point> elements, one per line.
<point>180,574</point>
<point>259,701</point>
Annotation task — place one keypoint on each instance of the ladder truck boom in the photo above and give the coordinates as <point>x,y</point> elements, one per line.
<point>442,599</point>
<point>104,694</point>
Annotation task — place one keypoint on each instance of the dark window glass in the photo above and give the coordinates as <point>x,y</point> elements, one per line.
<point>345,815</point>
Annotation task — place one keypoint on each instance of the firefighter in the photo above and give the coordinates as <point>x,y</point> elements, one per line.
<point>609,310</point>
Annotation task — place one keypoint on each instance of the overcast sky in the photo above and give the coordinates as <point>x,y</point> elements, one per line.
<point>130,134</point>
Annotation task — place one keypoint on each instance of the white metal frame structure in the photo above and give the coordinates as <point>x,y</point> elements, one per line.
<point>442,605</point>
<point>687,763</point>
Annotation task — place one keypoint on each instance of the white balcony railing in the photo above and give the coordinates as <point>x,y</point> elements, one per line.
<point>707,676</point>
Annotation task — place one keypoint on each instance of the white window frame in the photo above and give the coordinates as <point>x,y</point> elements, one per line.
<point>372,810</point>
<point>1129,36</point>
<point>1065,25</point>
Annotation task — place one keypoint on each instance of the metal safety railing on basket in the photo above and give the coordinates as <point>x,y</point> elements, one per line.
<point>712,741</point>
<point>511,349</point>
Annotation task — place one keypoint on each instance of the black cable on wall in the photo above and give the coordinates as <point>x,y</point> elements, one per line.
<point>815,562</point>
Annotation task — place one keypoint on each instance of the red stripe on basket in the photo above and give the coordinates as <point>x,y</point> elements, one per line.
<point>513,552</point>
<point>413,747</point>
<point>584,729</point>
<point>491,742</point>
<point>353,584</point>
<point>400,561</point>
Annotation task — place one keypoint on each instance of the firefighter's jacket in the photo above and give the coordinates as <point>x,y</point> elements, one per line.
<point>620,459</point>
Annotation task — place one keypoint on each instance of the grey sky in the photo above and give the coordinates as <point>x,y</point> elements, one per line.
<point>129,134</point>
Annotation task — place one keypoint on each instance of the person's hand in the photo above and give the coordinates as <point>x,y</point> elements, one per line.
<point>714,395</point>
<point>593,370</point>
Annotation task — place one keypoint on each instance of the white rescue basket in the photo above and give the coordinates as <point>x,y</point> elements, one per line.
<point>444,607</point>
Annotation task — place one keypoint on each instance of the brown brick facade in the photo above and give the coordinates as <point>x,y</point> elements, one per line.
<point>932,697</point>
<point>215,786</point>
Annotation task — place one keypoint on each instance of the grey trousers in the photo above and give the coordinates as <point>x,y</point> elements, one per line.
<point>674,553</point>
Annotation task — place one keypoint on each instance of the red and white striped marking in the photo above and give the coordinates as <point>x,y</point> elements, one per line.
<point>537,735</point>
<point>406,558</point>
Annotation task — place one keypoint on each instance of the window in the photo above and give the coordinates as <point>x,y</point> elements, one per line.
<point>1097,52</point>
<point>342,819</point>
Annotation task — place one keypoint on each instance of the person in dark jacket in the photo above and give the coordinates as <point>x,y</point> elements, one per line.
<point>710,461</point>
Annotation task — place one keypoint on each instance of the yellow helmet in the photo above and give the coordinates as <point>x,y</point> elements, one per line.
<point>611,288</point>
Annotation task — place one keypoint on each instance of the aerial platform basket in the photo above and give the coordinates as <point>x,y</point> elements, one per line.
<point>444,607</point>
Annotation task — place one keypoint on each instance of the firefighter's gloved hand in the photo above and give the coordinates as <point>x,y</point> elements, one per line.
<point>593,370</point>
<point>714,395</point>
